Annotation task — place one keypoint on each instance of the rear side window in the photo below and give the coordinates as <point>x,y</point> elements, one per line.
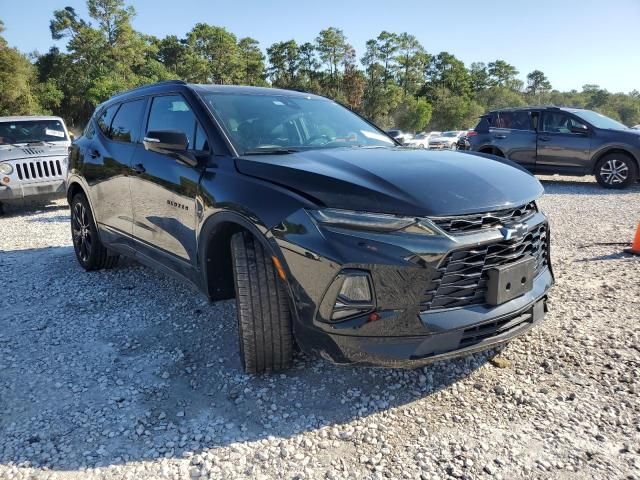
<point>105,118</point>
<point>172,112</point>
<point>125,126</point>
<point>519,120</point>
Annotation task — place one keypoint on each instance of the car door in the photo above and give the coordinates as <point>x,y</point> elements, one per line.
<point>560,147</point>
<point>512,133</point>
<point>164,188</point>
<point>107,159</point>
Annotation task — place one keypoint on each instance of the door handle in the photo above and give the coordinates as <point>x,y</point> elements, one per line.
<point>94,154</point>
<point>138,169</point>
<point>499,137</point>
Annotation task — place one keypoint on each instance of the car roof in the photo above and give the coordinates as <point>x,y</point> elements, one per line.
<point>536,107</point>
<point>177,85</point>
<point>18,118</point>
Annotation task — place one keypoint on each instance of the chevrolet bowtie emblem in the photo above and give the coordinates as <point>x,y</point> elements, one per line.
<point>514,231</point>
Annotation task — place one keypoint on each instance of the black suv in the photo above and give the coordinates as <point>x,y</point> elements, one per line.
<point>327,233</point>
<point>568,141</point>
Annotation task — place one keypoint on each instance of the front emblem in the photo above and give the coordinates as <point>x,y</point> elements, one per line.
<point>515,231</point>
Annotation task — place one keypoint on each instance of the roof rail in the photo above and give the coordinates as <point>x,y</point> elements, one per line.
<point>163,82</point>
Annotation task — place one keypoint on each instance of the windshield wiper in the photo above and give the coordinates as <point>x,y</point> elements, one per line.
<point>271,151</point>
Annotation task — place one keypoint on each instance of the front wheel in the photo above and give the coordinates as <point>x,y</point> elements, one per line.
<point>90,252</point>
<point>616,170</point>
<point>264,318</point>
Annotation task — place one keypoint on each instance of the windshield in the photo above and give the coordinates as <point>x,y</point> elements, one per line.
<point>598,120</point>
<point>276,122</point>
<point>450,134</point>
<point>420,136</point>
<point>30,131</point>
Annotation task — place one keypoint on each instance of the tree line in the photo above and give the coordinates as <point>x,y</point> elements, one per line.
<point>395,82</point>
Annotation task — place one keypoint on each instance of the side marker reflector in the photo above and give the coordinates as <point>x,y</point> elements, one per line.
<point>279,269</point>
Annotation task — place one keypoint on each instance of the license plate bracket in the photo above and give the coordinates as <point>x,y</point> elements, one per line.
<point>507,282</point>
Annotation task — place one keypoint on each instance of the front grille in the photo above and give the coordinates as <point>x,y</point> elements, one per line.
<point>484,331</point>
<point>34,170</point>
<point>461,278</point>
<point>471,223</point>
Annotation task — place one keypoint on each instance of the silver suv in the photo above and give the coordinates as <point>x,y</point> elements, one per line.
<point>33,159</point>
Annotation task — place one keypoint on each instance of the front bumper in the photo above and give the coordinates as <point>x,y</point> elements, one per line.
<point>401,266</point>
<point>20,193</point>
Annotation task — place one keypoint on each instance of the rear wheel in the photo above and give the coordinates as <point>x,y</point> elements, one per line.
<point>90,252</point>
<point>616,170</point>
<point>264,318</point>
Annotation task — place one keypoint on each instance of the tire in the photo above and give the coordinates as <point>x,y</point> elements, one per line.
<point>90,252</point>
<point>616,170</point>
<point>264,317</point>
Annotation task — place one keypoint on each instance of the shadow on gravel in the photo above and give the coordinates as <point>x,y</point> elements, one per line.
<point>105,368</point>
<point>20,210</point>
<point>577,187</point>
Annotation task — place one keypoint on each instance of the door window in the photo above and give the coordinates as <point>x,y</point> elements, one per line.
<point>171,112</point>
<point>517,120</point>
<point>559,122</point>
<point>105,118</point>
<point>125,126</point>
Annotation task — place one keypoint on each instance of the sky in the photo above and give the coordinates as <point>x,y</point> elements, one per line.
<point>574,42</point>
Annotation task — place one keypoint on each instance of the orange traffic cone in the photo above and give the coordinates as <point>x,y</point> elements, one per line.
<point>635,246</point>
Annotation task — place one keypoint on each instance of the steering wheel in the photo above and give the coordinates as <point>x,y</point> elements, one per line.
<point>315,138</point>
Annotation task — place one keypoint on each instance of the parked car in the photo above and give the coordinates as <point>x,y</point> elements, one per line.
<point>421,140</point>
<point>447,140</point>
<point>636,127</point>
<point>568,141</point>
<point>325,231</point>
<point>33,159</point>
<point>463,140</point>
<point>399,136</point>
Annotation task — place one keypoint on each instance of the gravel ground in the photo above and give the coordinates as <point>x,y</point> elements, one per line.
<point>127,374</point>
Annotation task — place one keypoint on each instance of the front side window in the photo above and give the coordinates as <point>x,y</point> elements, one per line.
<point>125,126</point>
<point>32,131</point>
<point>558,122</point>
<point>172,112</point>
<point>262,122</point>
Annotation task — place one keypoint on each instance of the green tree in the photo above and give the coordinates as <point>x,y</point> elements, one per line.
<point>445,71</point>
<point>503,74</point>
<point>414,114</point>
<point>251,60</point>
<point>17,81</point>
<point>214,54</point>
<point>331,45</point>
<point>478,77</point>
<point>411,61</point>
<point>537,85</point>
<point>283,63</point>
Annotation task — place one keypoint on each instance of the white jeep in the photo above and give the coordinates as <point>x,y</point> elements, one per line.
<point>33,159</point>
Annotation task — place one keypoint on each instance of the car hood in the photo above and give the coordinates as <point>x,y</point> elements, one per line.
<point>10,152</point>
<point>396,180</point>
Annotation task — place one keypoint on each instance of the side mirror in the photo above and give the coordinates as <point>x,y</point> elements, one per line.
<point>170,142</point>
<point>72,137</point>
<point>580,129</point>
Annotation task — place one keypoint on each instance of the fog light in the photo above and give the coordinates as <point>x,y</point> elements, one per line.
<point>356,288</point>
<point>355,296</point>
<point>6,180</point>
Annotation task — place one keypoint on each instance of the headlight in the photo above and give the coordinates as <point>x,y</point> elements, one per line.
<point>379,222</point>
<point>6,168</point>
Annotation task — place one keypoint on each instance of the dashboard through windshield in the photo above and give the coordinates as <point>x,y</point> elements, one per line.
<point>31,131</point>
<point>257,123</point>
